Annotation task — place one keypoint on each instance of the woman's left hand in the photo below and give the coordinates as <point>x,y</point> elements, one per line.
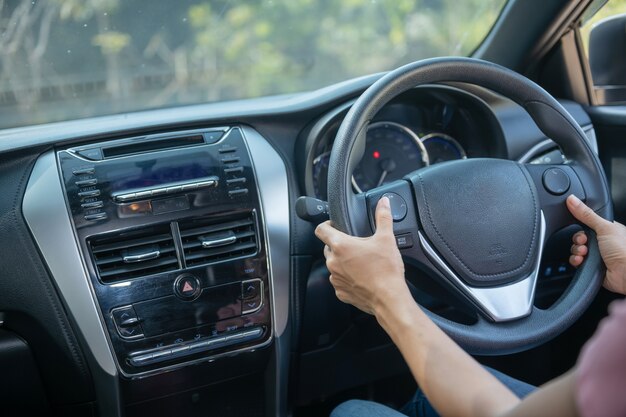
<point>365,272</point>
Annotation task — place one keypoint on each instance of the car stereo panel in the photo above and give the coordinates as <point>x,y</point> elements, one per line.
<point>171,230</point>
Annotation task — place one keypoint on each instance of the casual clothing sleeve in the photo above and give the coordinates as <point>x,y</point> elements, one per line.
<point>601,371</point>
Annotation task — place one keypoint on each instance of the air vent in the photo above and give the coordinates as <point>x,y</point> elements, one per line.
<point>208,241</point>
<point>134,254</point>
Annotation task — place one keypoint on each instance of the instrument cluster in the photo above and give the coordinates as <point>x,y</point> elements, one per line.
<point>423,128</point>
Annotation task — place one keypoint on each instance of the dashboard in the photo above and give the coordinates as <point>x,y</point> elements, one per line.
<point>172,240</point>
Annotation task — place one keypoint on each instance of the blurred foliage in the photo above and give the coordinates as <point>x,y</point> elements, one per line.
<point>111,42</point>
<point>284,46</point>
<point>108,56</point>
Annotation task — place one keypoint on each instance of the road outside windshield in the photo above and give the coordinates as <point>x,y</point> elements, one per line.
<point>69,59</point>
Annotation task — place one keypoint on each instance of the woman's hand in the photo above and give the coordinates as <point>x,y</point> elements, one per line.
<point>366,272</point>
<point>611,241</point>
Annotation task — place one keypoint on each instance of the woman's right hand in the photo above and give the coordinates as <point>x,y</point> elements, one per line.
<point>611,241</point>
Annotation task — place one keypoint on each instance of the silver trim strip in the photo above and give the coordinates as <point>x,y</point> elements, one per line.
<point>271,176</point>
<point>504,303</point>
<point>539,148</point>
<point>47,217</point>
<point>272,184</point>
<point>548,144</point>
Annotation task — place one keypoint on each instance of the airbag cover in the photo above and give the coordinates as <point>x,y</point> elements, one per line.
<point>482,216</point>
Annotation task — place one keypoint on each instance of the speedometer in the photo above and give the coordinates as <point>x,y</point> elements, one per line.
<point>391,152</point>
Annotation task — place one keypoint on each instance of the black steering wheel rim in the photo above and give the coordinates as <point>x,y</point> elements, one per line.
<point>347,210</point>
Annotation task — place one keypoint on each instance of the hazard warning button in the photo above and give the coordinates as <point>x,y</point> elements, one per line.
<point>187,287</point>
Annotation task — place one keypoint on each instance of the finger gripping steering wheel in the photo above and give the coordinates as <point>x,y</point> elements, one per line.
<point>509,210</point>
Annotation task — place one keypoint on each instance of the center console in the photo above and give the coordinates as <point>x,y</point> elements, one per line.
<point>171,230</point>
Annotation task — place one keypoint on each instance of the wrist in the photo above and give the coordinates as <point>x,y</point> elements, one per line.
<point>397,313</point>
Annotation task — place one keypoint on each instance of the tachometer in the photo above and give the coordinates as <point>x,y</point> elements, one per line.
<point>391,152</point>
<point>442,147</point>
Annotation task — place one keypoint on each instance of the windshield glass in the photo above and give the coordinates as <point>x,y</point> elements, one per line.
<point>67,59</point>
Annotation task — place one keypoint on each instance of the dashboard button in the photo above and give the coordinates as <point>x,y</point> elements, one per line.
<point>187,287</point>
<point>90,193</point>
<point>96,216</point>
<point>181,350</point>
<point>254,333</point>
<point>190,187</point>
<point>251,295</point>
<point>234,170</point>
<point>127,322</point>
<point>231,160</point>
<point>140,360</point>
<point>227,149</point>
<point>174,189</point>
<point>236,181</point>
<point>205,184</point>
<point>235,337</point>
<point>92,205</point>
<point>84,171</point>
<point>251,289</point>
<point>158,192</point>
<point>161,355</point>
<point>238,192</point>
<point>130,332</point>
<point>123,315</point>
<point>86,183</point>
<point>250,306</point>
<point>212,137</point>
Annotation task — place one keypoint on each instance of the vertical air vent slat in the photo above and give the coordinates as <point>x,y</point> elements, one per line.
<point>214,240</point>
<point>134,254</point>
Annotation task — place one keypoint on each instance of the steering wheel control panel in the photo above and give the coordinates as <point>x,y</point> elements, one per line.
<point>170,227</point>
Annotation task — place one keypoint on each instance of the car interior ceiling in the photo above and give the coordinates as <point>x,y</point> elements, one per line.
<point>259,331</point>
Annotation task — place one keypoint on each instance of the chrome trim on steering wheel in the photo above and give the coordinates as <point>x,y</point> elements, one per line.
<point>503,303</point>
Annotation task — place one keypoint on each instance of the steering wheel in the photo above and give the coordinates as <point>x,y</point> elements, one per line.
<point>480,225</point>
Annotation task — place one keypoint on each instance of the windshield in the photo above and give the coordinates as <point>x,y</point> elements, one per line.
<point>67,59</point>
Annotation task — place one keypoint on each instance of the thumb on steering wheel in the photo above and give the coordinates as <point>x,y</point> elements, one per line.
<point>384,220</point>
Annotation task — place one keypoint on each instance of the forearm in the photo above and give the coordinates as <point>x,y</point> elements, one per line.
<point>452,380</point>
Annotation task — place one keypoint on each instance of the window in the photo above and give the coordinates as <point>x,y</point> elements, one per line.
<point>67,59</point>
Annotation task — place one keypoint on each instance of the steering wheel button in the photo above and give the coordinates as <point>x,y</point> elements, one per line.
<point>556,181</point>
<point>398,206</point>
<point>404,241</point>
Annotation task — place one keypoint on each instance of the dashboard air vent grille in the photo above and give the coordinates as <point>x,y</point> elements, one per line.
<point>209,240</point>
<point>134,254</point>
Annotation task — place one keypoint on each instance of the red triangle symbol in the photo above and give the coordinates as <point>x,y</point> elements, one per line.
<point>187,287</point>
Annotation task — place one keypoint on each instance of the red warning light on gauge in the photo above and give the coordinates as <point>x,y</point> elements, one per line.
<point>376,154</point>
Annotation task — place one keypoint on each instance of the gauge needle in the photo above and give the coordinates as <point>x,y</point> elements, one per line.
<point>382,178</point>
<point>387,165</point>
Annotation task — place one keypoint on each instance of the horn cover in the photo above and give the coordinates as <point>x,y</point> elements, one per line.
<point>482,216</point>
